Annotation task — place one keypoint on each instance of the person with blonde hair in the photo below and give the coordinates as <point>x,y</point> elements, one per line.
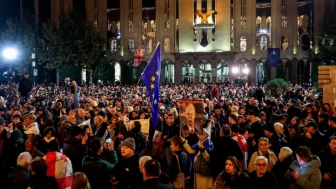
<point>80,181</point>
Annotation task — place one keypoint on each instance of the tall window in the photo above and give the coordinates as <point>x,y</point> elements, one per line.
<point>188,72</point>
<point>117,72</point>
<point>131,18</point>
<point>243,14</point>
<point>114,46</point>
<point>263,42</point>
<point>131,45</point>
<point>205,71</point>
<point>223,71</point>
<point>167,15</point>
<point>243,44</point>
<point>170,73</point>
<point>284,14</point>
<point>260,73</point>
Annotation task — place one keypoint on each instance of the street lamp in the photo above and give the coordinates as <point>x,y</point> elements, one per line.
<point>10,53</point>
<point>235,70</point>
<point>246,71</point>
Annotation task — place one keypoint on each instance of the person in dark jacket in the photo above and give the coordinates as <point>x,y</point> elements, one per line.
<point>328,161</point>
<point>293,110</point>
<point>170,130</point>
<point>314,139</point>
<point>261,178</point>
<point>220,154</point>
<point>19,178</point>
<point>25,86</point>
<point>75,148</point>
<point>127,168</point>
<point>151,174</point>
<point>39,178</point>
<point>179,158</point>
<point>285,158</point>
<point>98,170</point>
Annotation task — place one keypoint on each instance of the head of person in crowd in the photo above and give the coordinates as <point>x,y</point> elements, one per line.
<point>135,114</point>
<point>127,148</point>
<point>53,146</point>
<point>203,136</point>
<point>96,146</point>
<point>232,166</point>
<point>240,119</point>
<point>260,165</point>
<point>142,162</point>
<point>294,121</point>
<point>225,131</point>
<point>327,107</point>
<point>263,145</point>
<point>233,119</point>
<point>303,155</point>
<point>32,132</point>
<point>16,118</point>
<point>80,181</point>
<point>281,119</point>
<point>98,120</point>
<point>262,116</point>
<point>136,127</point>
<point>293,102</point>
<point>279,128</point>
<point>251,101</point>
<point>311,127</point>
<point>176,144</point>
<point>39,167</point>
<point>250,115</point>
<point>244,133</point>
<point>71,119</point>
<point>152,169</point>
<point>31,146</point>
<point>242,110</point>
<point>332,121</point>
<point>49,133</point>
<point>29,119</point>
<point>284,153</point>
<point>332,144</point>
<point>2,124</point>
<point>24,160</point>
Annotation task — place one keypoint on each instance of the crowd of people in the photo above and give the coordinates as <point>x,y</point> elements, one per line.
<point>80,137</point>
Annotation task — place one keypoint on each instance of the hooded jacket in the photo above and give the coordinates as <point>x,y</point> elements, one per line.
<point>309,174</point>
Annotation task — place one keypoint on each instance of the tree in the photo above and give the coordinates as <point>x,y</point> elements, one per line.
<point>74,42</point>
<point>328,29</point>
<point>276,87</point>
<point>20,36</point>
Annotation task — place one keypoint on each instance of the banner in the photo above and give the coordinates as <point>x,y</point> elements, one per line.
<point>138,56</point>
<point>273,58</point>
<point>144,125</point>
<point>191,114</point>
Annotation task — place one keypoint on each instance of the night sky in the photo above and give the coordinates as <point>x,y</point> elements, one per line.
<point>11,8</point>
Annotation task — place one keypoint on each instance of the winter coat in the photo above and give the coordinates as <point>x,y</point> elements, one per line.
<point>225,181</point>
<point>76,151</point>
<point>25,86</point>
<point>268,181</point>
<point>19,179</point>
<point>280,169</point>
<point>99,171</point>
<point>309,174</point>
<point>126,173</point>
<point>173,168</point>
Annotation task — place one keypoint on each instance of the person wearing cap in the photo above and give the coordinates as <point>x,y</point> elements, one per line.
<point>314,139</point>
<point>97,169</point>
<point>201,150</point>
<point>127,168</point>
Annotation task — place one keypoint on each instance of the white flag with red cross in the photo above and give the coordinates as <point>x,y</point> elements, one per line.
<point>138,56</point>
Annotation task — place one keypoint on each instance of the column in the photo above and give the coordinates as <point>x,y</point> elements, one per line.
<point>102,19</point>
<point>67,6</point>
<point>89,7</point>
<point>275,32</point>
<point>55,11</point>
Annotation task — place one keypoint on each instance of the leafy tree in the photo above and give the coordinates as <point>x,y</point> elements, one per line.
<point>276,87</point>
<point>328,29</point>
<point>74,41</point>
<point>104,72</point>
<point>21,37</point>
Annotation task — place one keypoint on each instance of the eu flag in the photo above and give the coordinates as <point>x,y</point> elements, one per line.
<point>151,78</point>
<point>273,59</point>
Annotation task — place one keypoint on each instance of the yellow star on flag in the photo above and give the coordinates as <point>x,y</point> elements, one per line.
<point>153,78</point>
<point>157,72</point>
<point>152,86</point>
<point>155,101</point>
<point>153,95</point>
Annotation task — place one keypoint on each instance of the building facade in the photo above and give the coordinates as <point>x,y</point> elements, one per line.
<point>209,40</point>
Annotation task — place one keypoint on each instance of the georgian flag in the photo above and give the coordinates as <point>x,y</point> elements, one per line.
<point>60,167</point>
<point>138,56</point>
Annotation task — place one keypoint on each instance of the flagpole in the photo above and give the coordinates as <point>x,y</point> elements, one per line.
<point>147,63</point>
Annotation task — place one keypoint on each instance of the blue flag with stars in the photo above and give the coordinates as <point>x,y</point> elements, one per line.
<point>151,78</point>
<point>273,59</point>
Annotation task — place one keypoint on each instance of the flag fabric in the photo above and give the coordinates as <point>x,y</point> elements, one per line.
<point>138,56</point>
<point>273,59</point>
<point>60,167</point>
<point>151,79</point>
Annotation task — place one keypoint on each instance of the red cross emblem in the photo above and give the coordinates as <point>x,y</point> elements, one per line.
<point>138,56</point>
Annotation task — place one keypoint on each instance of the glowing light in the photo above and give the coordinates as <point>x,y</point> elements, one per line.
<point>10,53</point>
<point>246,70</point>
<point>235,70</point>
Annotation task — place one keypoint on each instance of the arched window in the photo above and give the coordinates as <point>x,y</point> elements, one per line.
<point>188,72</point>
<point>170,73</point>
<point>114,45</point>
<point>223,70</point>
<point>258,23</point>
<point>131,45</point>
<point>205,71</point>
<point>117,71</point>
<point>243,44</point>
<point>260,73</point>
<point>263,42</point>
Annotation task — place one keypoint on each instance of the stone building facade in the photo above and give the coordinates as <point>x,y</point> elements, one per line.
<point>229,43</point>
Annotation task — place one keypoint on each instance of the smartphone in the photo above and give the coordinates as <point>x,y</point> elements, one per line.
<point>108,141</point>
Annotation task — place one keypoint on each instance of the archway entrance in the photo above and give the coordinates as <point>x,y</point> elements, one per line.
<point>188,72</point>
<point>205,71</point>
<point>223,71</point>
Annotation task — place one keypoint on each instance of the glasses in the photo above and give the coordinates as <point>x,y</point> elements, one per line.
<point>261,165</point>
